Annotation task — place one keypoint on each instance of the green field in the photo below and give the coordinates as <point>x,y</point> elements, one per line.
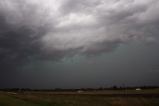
<point>94,98</point>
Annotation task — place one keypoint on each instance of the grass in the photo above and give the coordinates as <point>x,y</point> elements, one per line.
<point>78,99</point>
<point>7,100</point>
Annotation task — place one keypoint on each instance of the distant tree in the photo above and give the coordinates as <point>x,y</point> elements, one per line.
<point>114,87</point>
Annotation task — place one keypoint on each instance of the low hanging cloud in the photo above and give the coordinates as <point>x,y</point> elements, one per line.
<point>53,29</point>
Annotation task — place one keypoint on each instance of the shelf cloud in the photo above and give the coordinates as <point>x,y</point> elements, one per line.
<point>51,29</point>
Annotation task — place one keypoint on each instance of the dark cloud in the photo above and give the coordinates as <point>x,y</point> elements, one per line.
<point>16,47</point>
<point>51,30</point>
<point>81,26</point>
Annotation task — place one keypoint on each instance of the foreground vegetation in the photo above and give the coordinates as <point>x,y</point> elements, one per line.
<point>93,98</point>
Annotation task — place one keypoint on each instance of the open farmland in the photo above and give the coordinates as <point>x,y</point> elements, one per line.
<point>85,98</point>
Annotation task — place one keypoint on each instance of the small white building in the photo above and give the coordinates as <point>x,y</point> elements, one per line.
<point>80,91</point>
<point>138,89</point>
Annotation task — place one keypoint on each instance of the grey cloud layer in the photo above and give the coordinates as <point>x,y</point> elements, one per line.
<point>43,28</point>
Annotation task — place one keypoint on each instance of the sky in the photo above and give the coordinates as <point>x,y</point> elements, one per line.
<point>78,43</point>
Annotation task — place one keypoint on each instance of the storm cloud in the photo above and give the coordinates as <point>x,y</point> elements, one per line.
<point>78,26</point>
<point>51,29</point>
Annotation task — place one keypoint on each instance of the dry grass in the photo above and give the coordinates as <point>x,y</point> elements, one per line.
<point>79,99</point>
